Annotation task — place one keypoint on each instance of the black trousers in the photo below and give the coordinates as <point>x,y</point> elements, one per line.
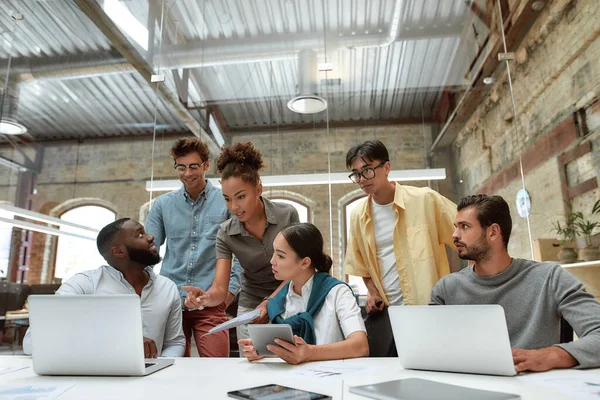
<point>379,335</point>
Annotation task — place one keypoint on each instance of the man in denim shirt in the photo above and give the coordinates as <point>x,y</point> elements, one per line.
<point>188,219</point>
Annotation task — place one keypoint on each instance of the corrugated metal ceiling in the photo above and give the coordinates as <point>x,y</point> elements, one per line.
<point>369,80</point>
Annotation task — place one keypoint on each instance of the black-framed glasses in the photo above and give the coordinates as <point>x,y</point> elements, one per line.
<point>367,173</point>
<point>192,167</point>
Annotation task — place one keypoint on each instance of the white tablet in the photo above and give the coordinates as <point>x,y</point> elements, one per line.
<point>264,334</point>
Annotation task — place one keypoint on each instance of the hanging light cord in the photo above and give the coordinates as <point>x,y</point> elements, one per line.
<point>514,109</point>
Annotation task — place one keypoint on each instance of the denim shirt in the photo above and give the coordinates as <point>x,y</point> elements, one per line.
<point>190,230</point>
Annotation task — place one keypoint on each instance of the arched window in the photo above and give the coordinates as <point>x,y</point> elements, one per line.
<point>355,281</point>
<point>75,255</point>
<point>301,208</point>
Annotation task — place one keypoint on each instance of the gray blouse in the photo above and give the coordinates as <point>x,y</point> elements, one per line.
<point>255,255</point>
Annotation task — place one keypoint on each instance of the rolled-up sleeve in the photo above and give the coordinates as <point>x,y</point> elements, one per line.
<point>347,311</point>
<point>154,224</point>
<point>354,263</point>
<point>223,250</point>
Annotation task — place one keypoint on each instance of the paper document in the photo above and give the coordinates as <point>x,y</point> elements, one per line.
<point>325,371</point>
<point>237,321</point>
<point>33,392</point>
<point>330,370</point>
<point>578,384</point>
<point>8,370</point>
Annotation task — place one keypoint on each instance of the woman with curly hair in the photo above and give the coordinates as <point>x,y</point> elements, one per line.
<point>248,235</point>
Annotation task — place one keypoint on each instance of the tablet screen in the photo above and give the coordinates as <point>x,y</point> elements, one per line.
<point>275,392</point>
<point>264,334</point>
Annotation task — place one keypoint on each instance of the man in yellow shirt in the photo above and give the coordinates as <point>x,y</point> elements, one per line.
<point>396,243</point>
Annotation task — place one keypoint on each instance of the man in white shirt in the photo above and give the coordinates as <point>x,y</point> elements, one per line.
<point>130,253</point>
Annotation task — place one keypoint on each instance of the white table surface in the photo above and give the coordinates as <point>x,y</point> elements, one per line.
<point>203,378</point>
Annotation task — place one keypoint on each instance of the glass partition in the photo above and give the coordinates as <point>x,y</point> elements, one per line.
<point>104,88</point>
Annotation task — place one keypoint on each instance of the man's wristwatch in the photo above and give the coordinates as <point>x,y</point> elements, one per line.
<point>266,298</point>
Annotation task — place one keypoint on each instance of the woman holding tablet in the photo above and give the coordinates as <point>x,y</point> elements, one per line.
<point>321,310</point>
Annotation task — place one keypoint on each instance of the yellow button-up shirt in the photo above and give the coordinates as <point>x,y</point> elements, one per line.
<point>424,224</point>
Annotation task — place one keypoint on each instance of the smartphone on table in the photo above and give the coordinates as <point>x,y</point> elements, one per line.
<point>276,392</point>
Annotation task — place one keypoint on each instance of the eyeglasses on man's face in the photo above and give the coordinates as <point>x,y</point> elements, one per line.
<point>192,167</point>
<point>367,173</point>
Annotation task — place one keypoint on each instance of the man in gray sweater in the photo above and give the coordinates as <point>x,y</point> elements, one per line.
<point>534,295</point>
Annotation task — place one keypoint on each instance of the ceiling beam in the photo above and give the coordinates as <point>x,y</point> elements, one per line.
<point>332,95</point>
<point>516,26</point>
<point>481,14</point>
<point>103,22</point>
<point>178,53</point>
<point>303,126</point>
<point>115,138</point>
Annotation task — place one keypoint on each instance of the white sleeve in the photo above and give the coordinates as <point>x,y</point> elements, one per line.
<point>347,311</point>
<point>174,342</point>
<point>78,284</point>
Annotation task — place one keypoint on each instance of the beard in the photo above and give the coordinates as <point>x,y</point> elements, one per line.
<point>144,257</point>
<point>478,251</point>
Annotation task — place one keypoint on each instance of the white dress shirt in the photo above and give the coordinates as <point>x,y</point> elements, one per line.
<point>339,306</point>
<point>161,306</point>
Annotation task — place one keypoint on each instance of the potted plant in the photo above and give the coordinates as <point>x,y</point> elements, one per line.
<point>567,234</point>
<point>586,228</point>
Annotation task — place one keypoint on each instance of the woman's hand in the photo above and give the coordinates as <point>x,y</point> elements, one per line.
<point>264,314</point>
<point>196,297</point>
<point>295,353</point>
<point>248,349</point>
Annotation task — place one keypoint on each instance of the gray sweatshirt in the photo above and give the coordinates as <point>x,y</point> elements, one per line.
<point>534,296</point>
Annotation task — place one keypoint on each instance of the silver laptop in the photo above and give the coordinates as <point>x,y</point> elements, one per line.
<point>466,338</point>
<point>89,335</point>
<point>423,389</point>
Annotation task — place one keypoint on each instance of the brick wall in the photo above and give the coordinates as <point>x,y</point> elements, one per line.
<point>557,73</point>
<point>116,171</point>
<point>306,151</point>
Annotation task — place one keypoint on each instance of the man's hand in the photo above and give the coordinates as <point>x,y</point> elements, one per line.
<point>196,297</point>
<point>264,314</point>
<point>150,350</point>
<point>248,349</point>
<point>542,359</point>
<point>295,353</point>
<point>374,304</point>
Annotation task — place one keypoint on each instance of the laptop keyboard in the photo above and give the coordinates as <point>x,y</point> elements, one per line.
<point>150,364</point>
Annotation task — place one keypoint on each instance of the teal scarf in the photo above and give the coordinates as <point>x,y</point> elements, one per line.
<point>303,324</point>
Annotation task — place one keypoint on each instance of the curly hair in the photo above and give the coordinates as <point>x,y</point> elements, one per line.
<point>187,145</point>
<point>241,160</point>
